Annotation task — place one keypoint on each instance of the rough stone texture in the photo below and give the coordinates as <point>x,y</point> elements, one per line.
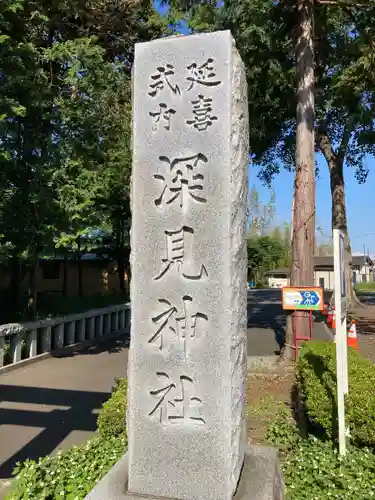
<point>188,339</point>
<point>260,479</point>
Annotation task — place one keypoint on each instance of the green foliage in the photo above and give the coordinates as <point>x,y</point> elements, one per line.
<point>70,475</point>
<point>50,305</point>
<point>266,249</point>
<point>73,474</point>
<point>363,287</point>
<point>111,418</point>
<point>265,33</point>
<point>316,376</point>
<point>315,470</point>
<point>8,351</point>
<point>265,253</point>
<point>282,432</point>
<point>312,468</point>
<point>65,123</point>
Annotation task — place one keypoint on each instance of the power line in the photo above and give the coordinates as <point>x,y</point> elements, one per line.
<point>362,235</point>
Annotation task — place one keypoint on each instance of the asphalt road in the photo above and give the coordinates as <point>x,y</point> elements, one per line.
<point>367,298</point>
<point>53,404</point>
<point>267,322</point>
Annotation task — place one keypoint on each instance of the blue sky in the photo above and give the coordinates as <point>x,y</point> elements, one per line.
<point>359,202</point>
<point>359,198</point>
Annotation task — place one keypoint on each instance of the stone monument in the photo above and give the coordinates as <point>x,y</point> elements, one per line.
<point>188,353</point>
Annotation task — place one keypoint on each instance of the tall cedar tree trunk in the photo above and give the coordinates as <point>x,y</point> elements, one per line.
<point>65,276</point>
<point>303,241</point>
<point>335,162</point>
<point>33,288</point>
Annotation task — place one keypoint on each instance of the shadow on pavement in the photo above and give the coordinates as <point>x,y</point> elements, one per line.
<point>111,346</point>
<point>270,318</point>
<point>56,424</point>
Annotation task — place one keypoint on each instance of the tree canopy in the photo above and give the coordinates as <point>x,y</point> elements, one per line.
<point>65,127</point>
<point>265,32</point>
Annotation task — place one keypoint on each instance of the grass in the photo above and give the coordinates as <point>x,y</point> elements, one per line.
<point>365,287</point>
<point>267,397</point>
<point>311,466</point>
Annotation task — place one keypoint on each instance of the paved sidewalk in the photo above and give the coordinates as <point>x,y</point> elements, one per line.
<point>54,403</point>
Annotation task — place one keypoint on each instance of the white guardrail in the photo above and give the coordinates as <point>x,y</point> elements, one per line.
<point>21,341</point>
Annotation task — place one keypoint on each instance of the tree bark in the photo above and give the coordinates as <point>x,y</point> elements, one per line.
<point>335,162</point>
<point>339,221</point>
<point>303,240</point>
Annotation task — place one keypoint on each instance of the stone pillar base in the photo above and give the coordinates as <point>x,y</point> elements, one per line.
<point>261,479</point>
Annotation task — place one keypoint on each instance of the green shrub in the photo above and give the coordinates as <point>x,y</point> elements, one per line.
<point>314,470</point>
<point>282,432</point>
<point>73,474</point>
<point>111,418</point>
<point>316,378</point>
<point>69,475</point>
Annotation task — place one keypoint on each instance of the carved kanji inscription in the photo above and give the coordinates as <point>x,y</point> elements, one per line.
<point>175,323</point>
<point>176,402</point>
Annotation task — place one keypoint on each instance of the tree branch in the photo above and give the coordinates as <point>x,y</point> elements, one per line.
<point>345,140</point>
<point>325,145</point>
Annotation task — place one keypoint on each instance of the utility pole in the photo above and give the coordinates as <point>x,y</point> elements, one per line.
<point>303,241</point>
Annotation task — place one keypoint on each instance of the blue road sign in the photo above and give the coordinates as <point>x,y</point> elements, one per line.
<point>302,298</point>
<point>309,298</point>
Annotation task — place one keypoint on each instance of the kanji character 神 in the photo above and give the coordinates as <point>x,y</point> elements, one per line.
<point>182,326</point>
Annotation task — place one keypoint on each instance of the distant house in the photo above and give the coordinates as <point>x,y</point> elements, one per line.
<point>363,271</point>
<point>99,275</point>
<point>278,277</point>
<point>324,275</point>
